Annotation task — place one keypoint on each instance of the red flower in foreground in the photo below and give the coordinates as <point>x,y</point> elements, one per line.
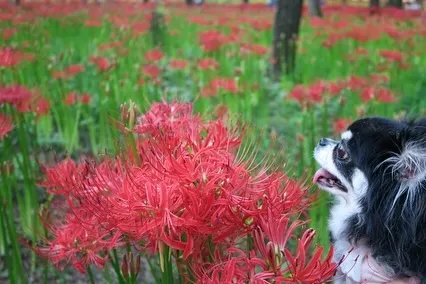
<point>5,125</point>
<point>185,185</point>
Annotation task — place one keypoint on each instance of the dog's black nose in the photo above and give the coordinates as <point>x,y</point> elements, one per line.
<point>323,142</point>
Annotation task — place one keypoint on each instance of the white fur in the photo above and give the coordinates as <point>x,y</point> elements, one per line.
<point>346,206</point>
<point>411,164</point>
<point>347,135</point>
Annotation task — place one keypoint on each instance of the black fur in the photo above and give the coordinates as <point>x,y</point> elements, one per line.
<point>397,238</point>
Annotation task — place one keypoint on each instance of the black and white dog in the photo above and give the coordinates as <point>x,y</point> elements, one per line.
<point>377,173</point>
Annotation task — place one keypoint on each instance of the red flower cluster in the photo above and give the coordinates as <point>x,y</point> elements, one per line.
<point>212,40</point>
<point>10,57</point>
<point>368,88</point>
<point>186,185</point>
<point>102,63</point>
<point>72,98</point>
<point>5,125</point>
<point>68,72</point>
<point>153,55</point>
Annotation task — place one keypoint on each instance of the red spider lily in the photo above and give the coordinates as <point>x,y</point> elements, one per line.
<point>392,55</point>
<point>316,91</point>
<point>212,40</point>
<point>42,106</point>
<point>153,55</point>
<point>140,28</point>
<point>75,69</point>
<point>178,63</point>
<point>261,24</point>
<point>79,242</point>
<point>335,88</point>
<point>356,83</point>
<point>226,84</point>
<point>309,95</point>
<point>185,186</point>
<point>102,63</point>
<point>8,33</point>
<point>381,94</point>
<point>151,70</point>
<point>110,45</point>
<point>85,99</point>
<point>314,270</point>
<point>70,99</point>
<point>384,95</point>
<point>5,125</point>
<point>207,63</point>
<point>367,94</point>
<point>10,57</point>
<point>69,72</point>
<point>255,48</point>
<point>340,125</point>
<point>14,94</point>
<point>93,23</point>
<point>379,78</point>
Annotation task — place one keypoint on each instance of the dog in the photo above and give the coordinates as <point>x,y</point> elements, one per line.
<point>377,174</point>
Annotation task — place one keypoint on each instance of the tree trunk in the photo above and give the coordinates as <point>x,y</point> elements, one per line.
<point>158,24</point>
<point>374,6</point>
<point>189,2</point>
<point>344,2</point>
<point>315,8</point>
<point>374,3</point>
<point>17,2</point>
<point>245,1</point>
<point>395,3</point>
<point>286,29</point>
<point>145,1</point>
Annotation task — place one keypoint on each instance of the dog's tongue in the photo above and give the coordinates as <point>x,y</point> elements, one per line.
<point>321,173</point>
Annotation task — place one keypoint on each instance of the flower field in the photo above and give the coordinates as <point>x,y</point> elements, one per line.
<point>132,151</point>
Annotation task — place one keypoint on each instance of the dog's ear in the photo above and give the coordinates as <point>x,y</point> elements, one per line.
<point>410,163</point>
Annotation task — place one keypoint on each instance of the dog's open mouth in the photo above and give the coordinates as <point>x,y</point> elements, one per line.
<point>325,179</point>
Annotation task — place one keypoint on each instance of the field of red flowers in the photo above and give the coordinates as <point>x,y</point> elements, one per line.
<point>131,153</point>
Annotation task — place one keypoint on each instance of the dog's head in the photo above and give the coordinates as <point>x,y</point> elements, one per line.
<point>379,168</point>
<point>374,151</point>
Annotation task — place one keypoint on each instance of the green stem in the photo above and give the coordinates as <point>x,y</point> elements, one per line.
<point>167,272</point>
<point>90,274</point>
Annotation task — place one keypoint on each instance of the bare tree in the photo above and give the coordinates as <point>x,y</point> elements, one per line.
<point>286,29</point>
<point>315,8</point>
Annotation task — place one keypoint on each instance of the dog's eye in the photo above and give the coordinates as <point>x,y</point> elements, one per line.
<point>341,153</point>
